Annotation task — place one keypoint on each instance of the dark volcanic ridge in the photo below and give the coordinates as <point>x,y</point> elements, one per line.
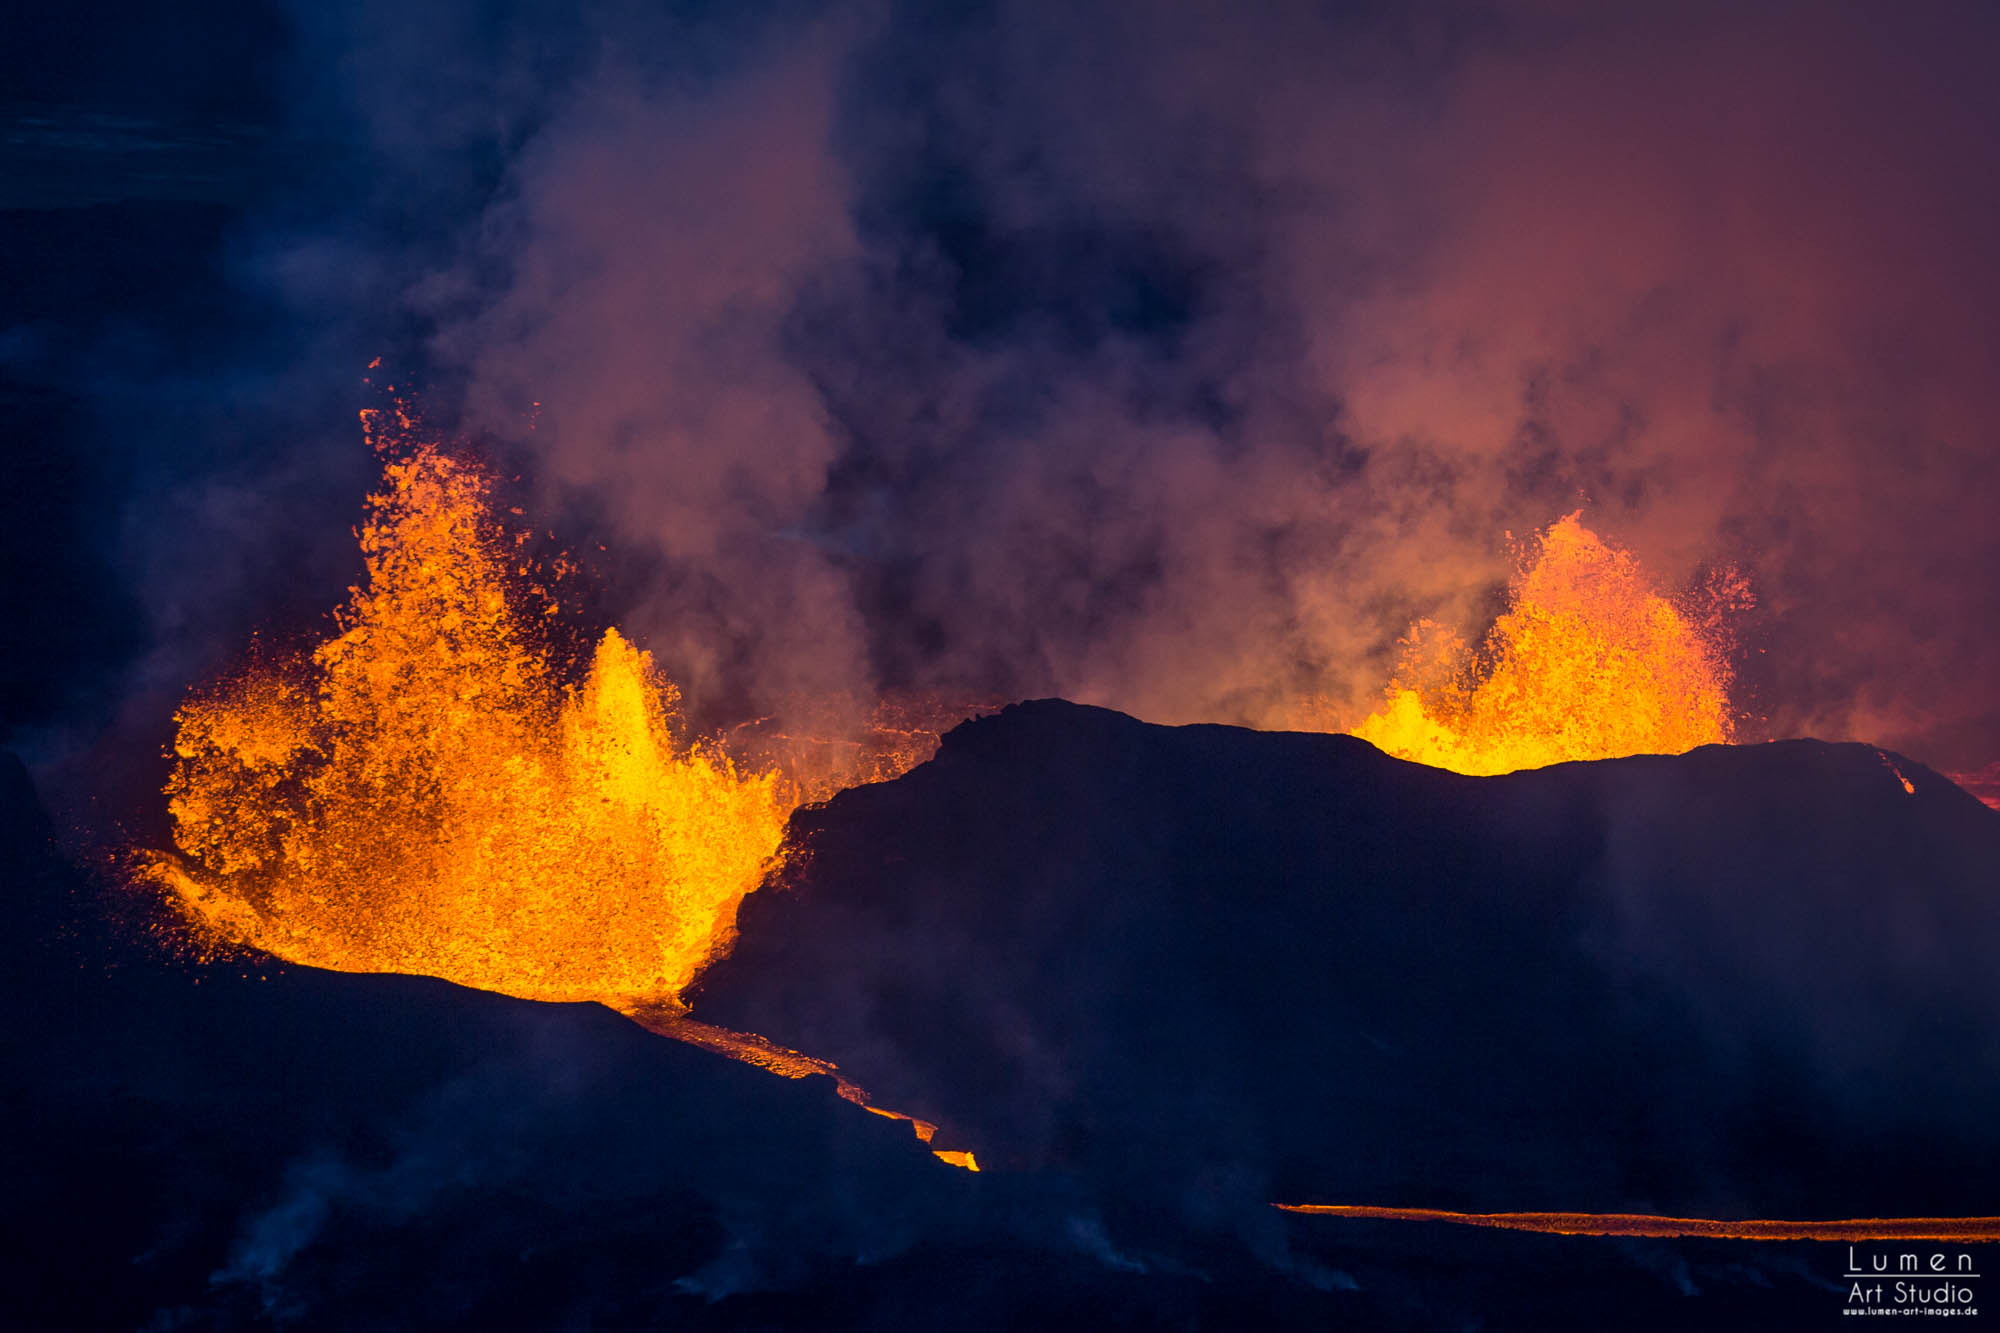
<point>1742,981</point>
<point>1157,978</point>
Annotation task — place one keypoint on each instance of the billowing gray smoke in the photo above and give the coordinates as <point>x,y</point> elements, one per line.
<point>1174,360</point>
<point>1169,357</point>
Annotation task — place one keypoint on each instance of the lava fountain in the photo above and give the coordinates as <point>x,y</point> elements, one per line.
<point>420,793</point>
<point>1588,662</point>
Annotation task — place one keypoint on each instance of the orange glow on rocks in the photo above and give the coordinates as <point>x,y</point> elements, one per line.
<point>1589,662</point>
<point>420,793</point>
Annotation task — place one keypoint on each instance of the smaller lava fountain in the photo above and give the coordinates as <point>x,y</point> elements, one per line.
<point>1589,662</point>
<point>420,794</point>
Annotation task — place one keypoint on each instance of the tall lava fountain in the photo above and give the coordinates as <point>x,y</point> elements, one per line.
<point>421,793</point>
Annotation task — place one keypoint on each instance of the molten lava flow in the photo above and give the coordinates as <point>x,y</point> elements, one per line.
<point>1588,663</point>
<point>669,1021</point>
<point>1909,787</point>
<point>1644,1224</point>
<point>421,795</point>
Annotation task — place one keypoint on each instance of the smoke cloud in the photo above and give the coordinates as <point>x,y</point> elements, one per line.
<point>1176,358</point>
<point>1175,362</point>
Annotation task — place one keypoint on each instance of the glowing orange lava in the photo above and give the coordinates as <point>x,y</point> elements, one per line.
<point>1645,1224</point>
<point>1909,787</point>
<point>1589,662</point>
<point>420,793</point>
<point>669,1021</point>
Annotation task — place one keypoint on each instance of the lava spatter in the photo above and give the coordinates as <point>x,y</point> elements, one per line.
<point>1588,662</point>
<point>421,793</point>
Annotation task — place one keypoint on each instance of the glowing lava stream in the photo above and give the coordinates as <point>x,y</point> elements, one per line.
<point>1645,1224</point>
<point>1909,788</point>
<point>667,1021</point>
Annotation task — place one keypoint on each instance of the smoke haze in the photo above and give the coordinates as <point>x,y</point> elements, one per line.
<point>1170,357</point>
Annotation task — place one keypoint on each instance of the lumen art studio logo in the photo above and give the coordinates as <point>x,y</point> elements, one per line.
<point>1938,1283</point>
